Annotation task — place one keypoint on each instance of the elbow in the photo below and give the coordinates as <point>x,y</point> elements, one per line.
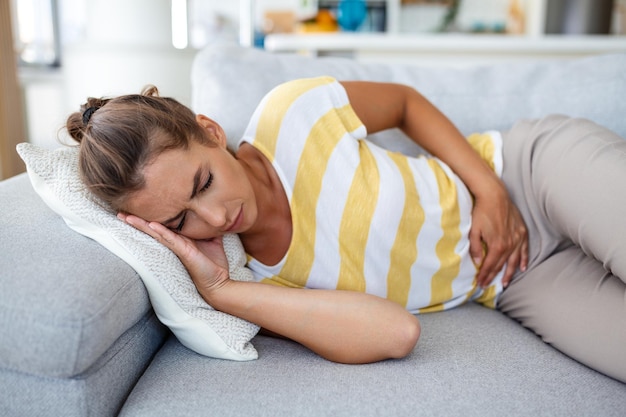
<point>396,341</point>
<point>406,335</point>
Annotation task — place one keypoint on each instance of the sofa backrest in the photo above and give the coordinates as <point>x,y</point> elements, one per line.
<point>228,81</point>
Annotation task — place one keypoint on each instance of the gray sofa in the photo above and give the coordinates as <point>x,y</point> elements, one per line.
<point>79,337</point>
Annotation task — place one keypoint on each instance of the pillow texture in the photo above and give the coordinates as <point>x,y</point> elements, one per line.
<point>55,177</point>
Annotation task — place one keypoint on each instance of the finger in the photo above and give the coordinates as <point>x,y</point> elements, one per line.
<point>511,267</point>
<point>162,234</point>
<point>137,222</point>
<point>476,246</point>
<point>492,265</point>
<point>524,255</point>
<point>489,262</point>
<point>169,238</point>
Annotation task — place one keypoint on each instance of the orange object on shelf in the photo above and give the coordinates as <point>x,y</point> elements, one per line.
<point>324,21</point>
<point>516,19</point>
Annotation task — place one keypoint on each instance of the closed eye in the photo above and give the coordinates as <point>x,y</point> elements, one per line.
<point>208,183</point>
<point>179,228</point>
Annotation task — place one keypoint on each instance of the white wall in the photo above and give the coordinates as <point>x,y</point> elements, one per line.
<point>121,46</point>
<point>127,44</point>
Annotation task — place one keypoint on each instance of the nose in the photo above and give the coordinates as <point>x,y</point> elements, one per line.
<point>212,213</point>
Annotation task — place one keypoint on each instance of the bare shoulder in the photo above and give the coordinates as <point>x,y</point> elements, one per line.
<point>379,105</point>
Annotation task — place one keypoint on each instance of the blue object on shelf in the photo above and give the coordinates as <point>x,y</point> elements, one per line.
<point>351,14</point>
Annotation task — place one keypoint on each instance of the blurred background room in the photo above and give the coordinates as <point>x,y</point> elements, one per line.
<point>55,53</point>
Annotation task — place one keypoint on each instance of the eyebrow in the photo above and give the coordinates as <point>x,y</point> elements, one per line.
<point>194,191</point>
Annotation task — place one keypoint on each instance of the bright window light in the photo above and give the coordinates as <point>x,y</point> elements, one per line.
<point>179,24</point>
<point>36,35</point>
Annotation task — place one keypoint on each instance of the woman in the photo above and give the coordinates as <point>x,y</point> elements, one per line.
<point>318,207</point>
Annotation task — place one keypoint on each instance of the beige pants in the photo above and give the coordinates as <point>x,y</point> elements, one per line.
<point>568,178</point>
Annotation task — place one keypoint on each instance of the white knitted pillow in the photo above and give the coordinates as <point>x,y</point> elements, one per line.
<point>54,176</point>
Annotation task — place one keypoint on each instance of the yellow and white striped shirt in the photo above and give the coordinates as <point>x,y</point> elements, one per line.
<point>364,218</point>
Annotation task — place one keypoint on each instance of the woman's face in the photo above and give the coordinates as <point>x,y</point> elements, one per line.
<point>201,192</point>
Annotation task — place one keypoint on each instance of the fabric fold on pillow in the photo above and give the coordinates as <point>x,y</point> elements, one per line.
<point>175,299</point>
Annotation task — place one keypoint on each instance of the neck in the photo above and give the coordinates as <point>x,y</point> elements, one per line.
<point>268,240</point>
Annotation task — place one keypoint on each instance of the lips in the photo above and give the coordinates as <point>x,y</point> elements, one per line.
<point>237,223</point>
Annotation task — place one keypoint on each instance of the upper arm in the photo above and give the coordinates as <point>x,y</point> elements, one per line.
<point>380,106</point>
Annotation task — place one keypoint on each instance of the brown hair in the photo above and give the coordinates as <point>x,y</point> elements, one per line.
<point>119,136</point>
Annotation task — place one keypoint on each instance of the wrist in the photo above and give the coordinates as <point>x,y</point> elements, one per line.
<point>488,188</point>
<point>212,290</point>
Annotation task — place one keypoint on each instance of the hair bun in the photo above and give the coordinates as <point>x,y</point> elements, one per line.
<point>75,127</point>
<point>88,113</point>
<point>77,122</point>
<point>150,91</point>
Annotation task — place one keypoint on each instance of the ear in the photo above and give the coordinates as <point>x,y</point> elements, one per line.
<point>215,130</point>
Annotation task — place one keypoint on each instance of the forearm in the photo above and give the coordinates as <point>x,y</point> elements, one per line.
<point>384,106</point>
<point>341,326</point>
<point>433,131</point>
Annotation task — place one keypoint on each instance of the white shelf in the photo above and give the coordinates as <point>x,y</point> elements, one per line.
<point>548,44</point>
<point>446,47</point>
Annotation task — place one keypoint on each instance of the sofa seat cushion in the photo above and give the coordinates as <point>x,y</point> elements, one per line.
<point>65,299</point>
<point>470,361</point>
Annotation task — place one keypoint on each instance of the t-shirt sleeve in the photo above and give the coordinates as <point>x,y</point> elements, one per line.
<point>489,147</point>
<point>297,106</point>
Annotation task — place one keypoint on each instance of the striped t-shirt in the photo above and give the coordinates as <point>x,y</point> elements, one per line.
<point>365,218</point>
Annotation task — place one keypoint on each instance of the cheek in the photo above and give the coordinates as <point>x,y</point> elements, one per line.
<point>197,229</point>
